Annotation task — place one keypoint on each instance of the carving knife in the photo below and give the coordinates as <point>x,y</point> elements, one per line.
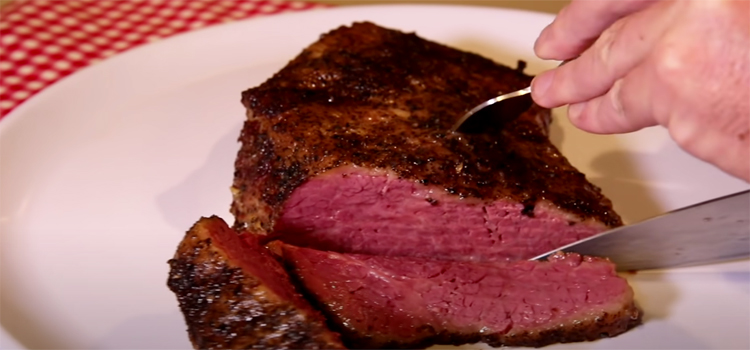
<point>712,231</point>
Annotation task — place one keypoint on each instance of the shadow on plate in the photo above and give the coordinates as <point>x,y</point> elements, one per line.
<point>739,280</point>
<point>204,190</point>
<point>654,294</point>
<point>630,194</point>
<point>24,329</point>
<point>616,172</point>
<point>166,331</point>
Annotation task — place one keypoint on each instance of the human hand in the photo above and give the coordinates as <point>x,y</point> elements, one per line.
<point>684,65</point>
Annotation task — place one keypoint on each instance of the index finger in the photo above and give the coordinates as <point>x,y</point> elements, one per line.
<point>579,24</point>
<point>619,49</point>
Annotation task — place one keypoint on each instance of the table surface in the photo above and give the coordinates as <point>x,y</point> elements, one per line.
<point>44,41</point>
<point>550,6</point>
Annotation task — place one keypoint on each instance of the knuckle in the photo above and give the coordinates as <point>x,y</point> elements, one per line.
<point>684,134</point>
<point>606,44</point>
<point>669,63</point>
<point>579,115</point>
<point>591,116</point>
<point>616,100</point>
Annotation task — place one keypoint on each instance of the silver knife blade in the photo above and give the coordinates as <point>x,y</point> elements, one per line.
<point>712,231</point>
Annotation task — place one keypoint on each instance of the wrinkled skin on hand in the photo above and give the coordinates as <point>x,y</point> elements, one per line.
<point>684,65</point>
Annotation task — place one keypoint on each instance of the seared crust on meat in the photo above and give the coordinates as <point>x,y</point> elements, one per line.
<point>228,304</point>
<point>606,325</point>
<point>377,98</point>
<point>603,326</point>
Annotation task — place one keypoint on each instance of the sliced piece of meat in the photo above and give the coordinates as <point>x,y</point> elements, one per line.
<point>397,302</point>
<point>347,148</point>
<point>235,295</point>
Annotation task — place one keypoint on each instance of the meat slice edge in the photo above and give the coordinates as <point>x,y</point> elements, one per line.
<point>235,295</point>
<point>396,302</point>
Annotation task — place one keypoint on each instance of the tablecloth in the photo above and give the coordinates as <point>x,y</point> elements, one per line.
<point>43,41</point>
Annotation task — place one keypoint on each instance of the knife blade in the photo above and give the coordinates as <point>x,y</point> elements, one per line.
<point>712,231</point>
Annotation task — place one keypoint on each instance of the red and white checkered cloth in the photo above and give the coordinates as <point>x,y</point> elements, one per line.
<point>42,41</point>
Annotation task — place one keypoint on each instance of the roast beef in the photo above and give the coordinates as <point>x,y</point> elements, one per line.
<point>398,302</point>
<point>410,235</point>
<point>234,295</point>
<point>347,149</point>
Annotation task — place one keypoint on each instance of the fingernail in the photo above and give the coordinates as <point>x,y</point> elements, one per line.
<point>539,87</point>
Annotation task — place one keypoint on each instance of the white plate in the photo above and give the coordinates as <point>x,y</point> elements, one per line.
<point>104,171</point>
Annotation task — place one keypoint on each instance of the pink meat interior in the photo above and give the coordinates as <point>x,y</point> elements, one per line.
<point>354,210</point>
<point>255,260</point>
